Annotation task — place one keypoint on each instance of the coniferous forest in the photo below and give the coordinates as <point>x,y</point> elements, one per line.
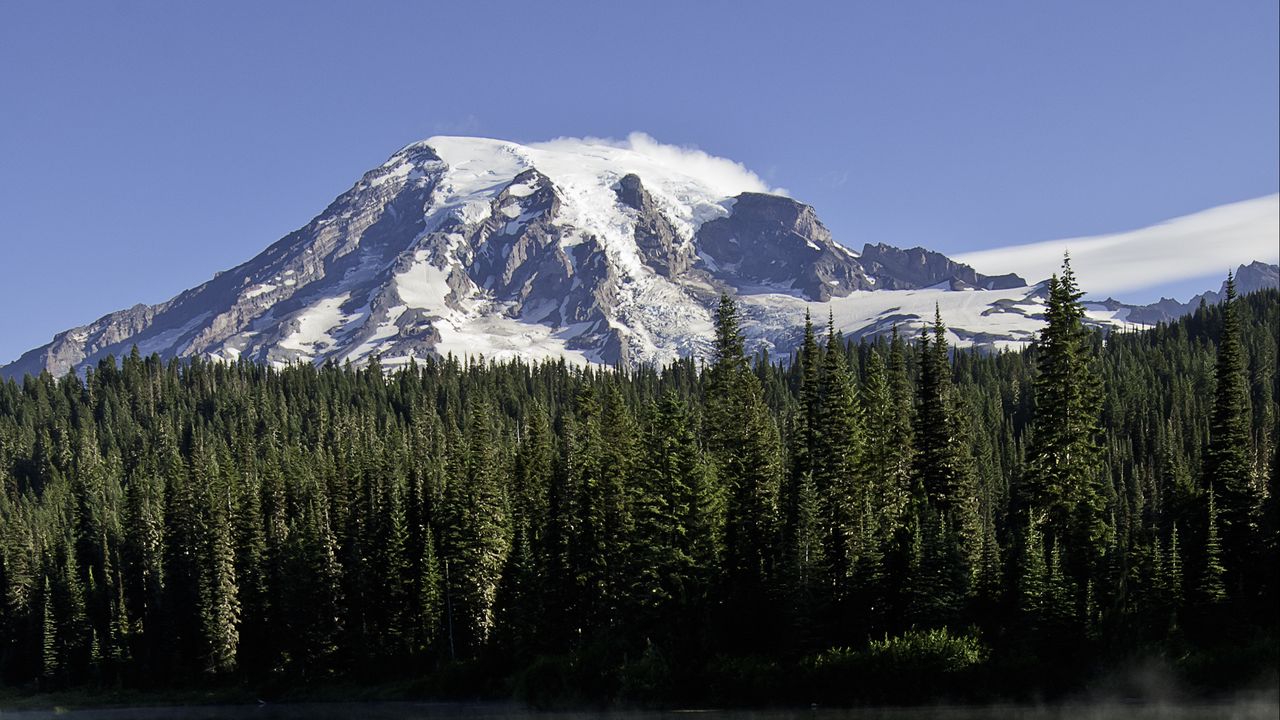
<point>887,521</point>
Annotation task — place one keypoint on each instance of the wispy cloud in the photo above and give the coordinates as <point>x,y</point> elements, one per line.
<point>723,174</point>
<point>1214,240</point>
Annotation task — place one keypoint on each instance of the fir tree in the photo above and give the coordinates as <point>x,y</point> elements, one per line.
<point>1211,588</point>
<point>475,538</point>
<point>744,445</point>
<point>523,519</point>
<point>944,466</point>
<point>1227,464</point>
<point>426,622</point>
<point>1061,481</point>
<point>837,456</point>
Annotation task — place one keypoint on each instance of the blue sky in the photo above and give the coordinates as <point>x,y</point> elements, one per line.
<point>145,145</point>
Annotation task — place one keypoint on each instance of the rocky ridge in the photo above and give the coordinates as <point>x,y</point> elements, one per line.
<point>593,251</point>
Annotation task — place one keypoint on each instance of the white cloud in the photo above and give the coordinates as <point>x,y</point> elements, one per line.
<point>721,174</point>
<point>1204,243</point>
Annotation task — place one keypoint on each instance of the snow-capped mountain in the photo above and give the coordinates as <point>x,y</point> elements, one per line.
<point>597,251</point>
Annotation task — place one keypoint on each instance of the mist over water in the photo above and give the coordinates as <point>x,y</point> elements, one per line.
<point>1240,709</point>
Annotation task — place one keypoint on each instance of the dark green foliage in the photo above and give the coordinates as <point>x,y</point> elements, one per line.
<point>1228,465</point>
<point>909,668</point>
<point>676,541</point>
<point>474,536</point>
<point>745,452</point>
<point>1211,588</point>
<point>1062,482</point>
<point>653,535</point>
<point>944,496</point>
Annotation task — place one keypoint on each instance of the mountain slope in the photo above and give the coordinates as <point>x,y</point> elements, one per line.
<point>592,250</point>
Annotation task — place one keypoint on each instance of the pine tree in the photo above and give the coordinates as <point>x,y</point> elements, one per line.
<point>1062,482</point>
<point>880,456</point>
<point>426,623</point>
<point>1032,578</point>
<point>390,568</point>
<point>1211,589</point>
<point>1175,582</point>
<point>515,610</point>
<point>50,660</point>
<point>837,457</point>
<point>805,442</point>
<point>474,538</point>
<point>1227,463</point>
<point>250,562</point>
<point>533,473</point>
<point>220,612</point>
<point>670,530</point>
<point>807,575</point>
<point>988,572</point>
<point>937,581</point>
<point>73,634</point>
<point>185,534</point>
<point>310,606</point>
<point>619,436</point>
<point>219,608</point>
<point>903,440</point>
<point>744,446</point>
<point>944,465</point>
<point>591,548</point>
<point>144,553</point>
<point>372,525</point>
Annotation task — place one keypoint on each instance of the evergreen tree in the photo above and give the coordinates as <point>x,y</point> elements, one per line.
<point>1227,464</point>
<point>310,607</point>
<point>474,538</point>
<point>1032,585</point>
<point>1061,481</point>
<point>839,488</point>
<point>944,466</point>
<point>167,524</point>
<point>673,536</point>
<point>426,623</point>
<point>744,445</point>
<point>1211,588</point>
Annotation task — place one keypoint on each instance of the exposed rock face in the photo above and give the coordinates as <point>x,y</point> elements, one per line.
<point>362,226</point>
<point>917,267</point>
<point>659,242</point>
<point>1248,278</point>
<point>774,242</point>
<point>588,251</point>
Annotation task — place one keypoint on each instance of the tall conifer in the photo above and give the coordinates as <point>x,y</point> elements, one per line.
<point>1227,462</point>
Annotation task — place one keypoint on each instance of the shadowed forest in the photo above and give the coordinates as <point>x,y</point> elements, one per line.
<point>893,521</point>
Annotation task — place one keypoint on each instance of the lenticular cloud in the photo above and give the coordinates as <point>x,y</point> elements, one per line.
<point>1187,247</point>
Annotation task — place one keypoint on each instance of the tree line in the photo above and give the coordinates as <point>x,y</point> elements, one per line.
<point>649,534</point>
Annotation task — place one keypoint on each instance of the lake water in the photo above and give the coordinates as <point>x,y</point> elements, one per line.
<point>1267,709</point>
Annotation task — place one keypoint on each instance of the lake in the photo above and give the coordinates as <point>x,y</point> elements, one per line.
<point>1267,709</point>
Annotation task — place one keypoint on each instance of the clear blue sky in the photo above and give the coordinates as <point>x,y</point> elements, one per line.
<point>145,145</point>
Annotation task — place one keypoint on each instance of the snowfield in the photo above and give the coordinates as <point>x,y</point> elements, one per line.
<point>408,264</point>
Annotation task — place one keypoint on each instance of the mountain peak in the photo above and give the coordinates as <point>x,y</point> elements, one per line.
<point>593,250</point>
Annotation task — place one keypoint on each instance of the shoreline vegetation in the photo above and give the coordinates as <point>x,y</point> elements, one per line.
<point>881,523</point>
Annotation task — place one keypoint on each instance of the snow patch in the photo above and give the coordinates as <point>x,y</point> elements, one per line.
<point>316,325</point>
<point>164,341</point>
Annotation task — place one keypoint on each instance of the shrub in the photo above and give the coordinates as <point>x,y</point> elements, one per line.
<point>913,667</point>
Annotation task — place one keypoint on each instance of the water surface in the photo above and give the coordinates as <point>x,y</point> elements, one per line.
<point>1238,710</point>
